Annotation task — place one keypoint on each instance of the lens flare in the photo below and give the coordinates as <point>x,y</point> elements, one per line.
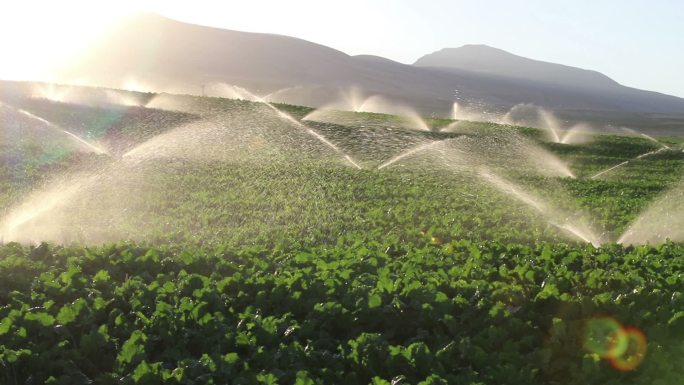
<point>605,337</point>
<point>634,353</point>
<point>623,347</point>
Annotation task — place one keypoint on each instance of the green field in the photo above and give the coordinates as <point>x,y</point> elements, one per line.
<point>220,242</point>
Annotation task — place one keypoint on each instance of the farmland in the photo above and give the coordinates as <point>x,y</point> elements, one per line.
<point>218,242</point>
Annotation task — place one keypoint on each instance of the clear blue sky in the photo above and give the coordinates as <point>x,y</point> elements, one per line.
<point>637,43</point>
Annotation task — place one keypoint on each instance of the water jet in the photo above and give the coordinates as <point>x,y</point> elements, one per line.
<point>302,126</point>
<point>663,219</point>
<point>635,132</point>
<point>551,214</point>
<point>531,115</point>
<point>650,153</point>
<point>84,144</point>
<point>407,153</point>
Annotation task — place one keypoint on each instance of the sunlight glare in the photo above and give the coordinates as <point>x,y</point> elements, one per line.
<point>39,36</point>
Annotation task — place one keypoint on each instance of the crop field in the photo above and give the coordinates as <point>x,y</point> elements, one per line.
<point>168,239</point>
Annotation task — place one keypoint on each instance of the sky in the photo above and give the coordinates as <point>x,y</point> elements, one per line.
<point>637,43</point>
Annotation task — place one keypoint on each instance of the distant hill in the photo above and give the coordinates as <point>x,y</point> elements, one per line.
<point>494,61</point>
<point>168,55</point>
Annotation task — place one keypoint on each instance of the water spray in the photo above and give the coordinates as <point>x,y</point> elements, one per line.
<point>84,143</point>
<point>650,153</point>
<point>419,148</point>
<point>543,208</point>
<point>299,124</point>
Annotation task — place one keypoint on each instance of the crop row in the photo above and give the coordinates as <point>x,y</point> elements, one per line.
<point>463,312</point>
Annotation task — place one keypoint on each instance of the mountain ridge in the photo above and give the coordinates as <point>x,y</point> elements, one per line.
<point>492,60</point>
<point>165,53</point>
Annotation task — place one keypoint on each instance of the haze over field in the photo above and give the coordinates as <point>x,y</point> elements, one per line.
<point>155,53</point>
<point>482,79</point>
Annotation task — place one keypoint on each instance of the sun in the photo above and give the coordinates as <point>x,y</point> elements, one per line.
<point>38,36</point>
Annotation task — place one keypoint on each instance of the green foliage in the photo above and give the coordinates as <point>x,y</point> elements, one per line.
<point>462,312</point>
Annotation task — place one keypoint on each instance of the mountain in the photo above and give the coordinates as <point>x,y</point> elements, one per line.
<point>494,61</point>
<point>168,55</point>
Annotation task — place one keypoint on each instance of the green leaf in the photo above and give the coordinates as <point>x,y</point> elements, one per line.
<point>434,379</point>
<point>676,322</point>
<point>267,378</point>
<point>231,358</point>
<point>385,282</point>
<point>5,325</point>
<point>133,349</point>
<point>303,378</point>
<point>374,301</point>
<point>208,362</point>
<point>44,319</point>
<point>102,276</point>
<point>68,313</point>
<point>147,374</point>
<point>550,290</point>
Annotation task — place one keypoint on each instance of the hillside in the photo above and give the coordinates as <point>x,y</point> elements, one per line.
<point>494,61</point>
<point>167,55</point>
